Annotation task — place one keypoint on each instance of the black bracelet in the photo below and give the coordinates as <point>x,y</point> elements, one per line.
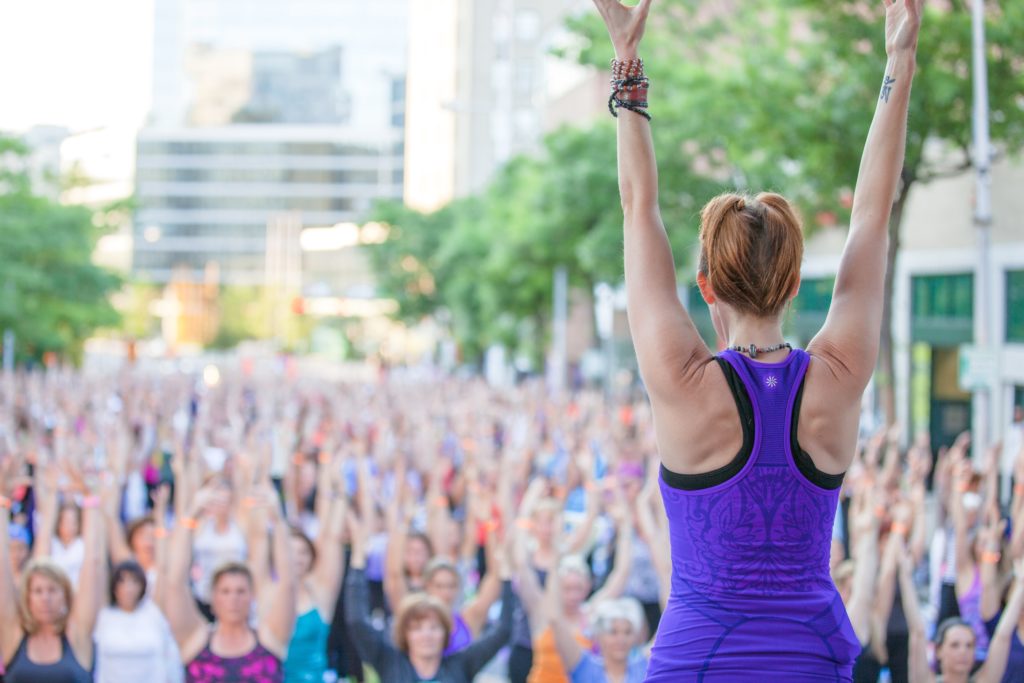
<point>614,103</point>
<point>630,84</point>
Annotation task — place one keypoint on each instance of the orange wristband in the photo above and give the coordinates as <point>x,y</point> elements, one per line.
<point>1018,489</point>
<point>5,503</point>
<point>160,532</point>
<point>324,457</point>
<point>963,488</point>
<point>190,523</point>
<point>899,528</point>
<point>989,557</point>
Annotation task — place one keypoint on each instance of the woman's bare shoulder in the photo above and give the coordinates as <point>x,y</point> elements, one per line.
<point>699,428</point>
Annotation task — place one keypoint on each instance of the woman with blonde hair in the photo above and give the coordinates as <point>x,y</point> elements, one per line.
<point>45,629</point>
<point>754,441</point>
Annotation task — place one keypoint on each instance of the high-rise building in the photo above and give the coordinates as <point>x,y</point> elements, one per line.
<point>208,195</point>
<point>263,110</point>
<point>485,86</point>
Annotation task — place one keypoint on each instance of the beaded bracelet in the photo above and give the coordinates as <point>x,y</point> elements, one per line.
<point>629,87</point>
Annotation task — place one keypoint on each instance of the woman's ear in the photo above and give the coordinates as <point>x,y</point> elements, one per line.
<point>796,289</point>
<point>705,288</point>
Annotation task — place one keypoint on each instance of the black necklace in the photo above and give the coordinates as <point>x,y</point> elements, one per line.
<point>753,350</point>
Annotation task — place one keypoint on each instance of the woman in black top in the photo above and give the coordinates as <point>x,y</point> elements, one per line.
<point>422,628</point>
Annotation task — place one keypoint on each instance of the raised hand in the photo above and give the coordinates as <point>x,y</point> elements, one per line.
<point>902,25</point>
<point>625,25</point>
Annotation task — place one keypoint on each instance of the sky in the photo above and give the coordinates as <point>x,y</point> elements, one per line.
<point>76,63</point>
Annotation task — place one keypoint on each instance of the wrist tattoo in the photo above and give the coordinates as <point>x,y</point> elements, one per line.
<point>887,89</point>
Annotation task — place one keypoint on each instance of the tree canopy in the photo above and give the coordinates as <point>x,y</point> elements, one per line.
<point>773,95</point>
<point>51,294</point>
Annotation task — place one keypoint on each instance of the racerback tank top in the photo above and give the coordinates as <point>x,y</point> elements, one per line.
<point>751,591</point>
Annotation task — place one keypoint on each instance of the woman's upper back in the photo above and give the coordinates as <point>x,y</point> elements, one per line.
<point>762,522</point>
<point>699,429</point>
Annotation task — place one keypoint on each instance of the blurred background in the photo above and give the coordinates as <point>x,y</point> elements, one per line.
<point>431,185</point>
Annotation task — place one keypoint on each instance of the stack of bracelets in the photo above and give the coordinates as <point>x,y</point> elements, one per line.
<point>629,87</point>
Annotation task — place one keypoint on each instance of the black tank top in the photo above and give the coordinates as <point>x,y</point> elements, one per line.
<point>65,670</point>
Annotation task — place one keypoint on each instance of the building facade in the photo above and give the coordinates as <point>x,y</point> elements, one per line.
<point>209,195</point>
<point>483,87</point>
<point>261,112</point>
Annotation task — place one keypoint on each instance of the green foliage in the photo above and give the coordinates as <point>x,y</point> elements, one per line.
<point>768,95</point>
<point>51,294</point>
<point>243,316</point>
<point>489,260</point>
<point>779,94</point>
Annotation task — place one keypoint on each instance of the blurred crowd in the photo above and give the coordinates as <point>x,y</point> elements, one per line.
<point>161,529</point>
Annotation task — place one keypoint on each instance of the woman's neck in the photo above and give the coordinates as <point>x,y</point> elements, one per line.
<point>747,330</point>
<point>232,631</point>
<point>426,667</point>
<point>615,670</point>
<point>46,631</point>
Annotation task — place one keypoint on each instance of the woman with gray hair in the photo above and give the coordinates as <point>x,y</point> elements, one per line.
<point>616,626</point>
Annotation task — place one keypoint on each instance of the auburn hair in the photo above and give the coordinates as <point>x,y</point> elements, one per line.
<point>750,251</point>
<point>416,608</point>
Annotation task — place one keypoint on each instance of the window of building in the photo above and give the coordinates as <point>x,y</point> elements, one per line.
<point>1015,306</point>
<point>944,296</point>
<point>815,295</point>
<point>943,309</point>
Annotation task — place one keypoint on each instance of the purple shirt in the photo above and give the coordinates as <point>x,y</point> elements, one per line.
<point>751,590</point>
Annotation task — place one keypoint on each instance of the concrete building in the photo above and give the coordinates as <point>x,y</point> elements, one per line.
<point>260,112</point>
<point>208,195</point>
<point>483,87</point>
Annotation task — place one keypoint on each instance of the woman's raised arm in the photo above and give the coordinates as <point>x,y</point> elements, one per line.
<point>667,343</point>
<point>10,625</point>
<point>849,339</point>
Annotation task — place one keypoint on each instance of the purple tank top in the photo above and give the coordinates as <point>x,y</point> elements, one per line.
<point>751,590</point>
<point>460,637</point>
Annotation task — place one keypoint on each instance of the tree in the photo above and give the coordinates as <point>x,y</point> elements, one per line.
<point>51,295</point>
<point>488,260</point>
<point>778,94</point>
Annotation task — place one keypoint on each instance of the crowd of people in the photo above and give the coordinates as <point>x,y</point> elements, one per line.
<point>162,530</point>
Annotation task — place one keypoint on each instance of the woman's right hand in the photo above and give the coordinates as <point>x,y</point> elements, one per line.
<point>625,25</point>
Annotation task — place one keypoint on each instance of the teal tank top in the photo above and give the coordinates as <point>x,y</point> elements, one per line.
<point>307,652</point>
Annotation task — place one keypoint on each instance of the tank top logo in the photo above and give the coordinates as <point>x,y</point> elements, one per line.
<point>771,381</point>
